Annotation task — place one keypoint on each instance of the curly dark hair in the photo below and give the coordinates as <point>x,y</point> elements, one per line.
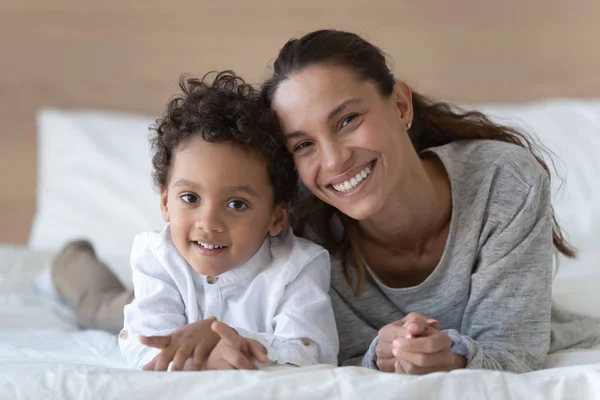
<point>226,109</point>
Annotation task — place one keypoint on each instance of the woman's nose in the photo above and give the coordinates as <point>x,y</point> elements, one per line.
<point>335,156</point>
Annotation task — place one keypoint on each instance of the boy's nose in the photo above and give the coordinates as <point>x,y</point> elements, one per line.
<point>209,221</point>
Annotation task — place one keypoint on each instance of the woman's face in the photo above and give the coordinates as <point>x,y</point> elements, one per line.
<point>349,142</point>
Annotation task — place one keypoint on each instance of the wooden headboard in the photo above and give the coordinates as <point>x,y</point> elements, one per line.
<point>128,55</point>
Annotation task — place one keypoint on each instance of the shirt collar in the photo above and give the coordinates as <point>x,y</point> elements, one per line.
<point>259,261</point>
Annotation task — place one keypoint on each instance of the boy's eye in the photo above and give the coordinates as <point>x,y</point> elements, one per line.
<point>347,120</point>
<point>237,205</point>
<point>189,198</point>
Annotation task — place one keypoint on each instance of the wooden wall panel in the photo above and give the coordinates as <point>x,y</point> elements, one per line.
<point>128,55</point>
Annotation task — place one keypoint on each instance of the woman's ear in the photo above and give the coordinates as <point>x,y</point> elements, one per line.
<point>279,219</point>
<point>402,97</point>
<point>163,204</point>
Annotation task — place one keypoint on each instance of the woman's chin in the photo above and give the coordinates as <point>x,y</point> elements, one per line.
<point>361,207</point>
<point>359,211</point>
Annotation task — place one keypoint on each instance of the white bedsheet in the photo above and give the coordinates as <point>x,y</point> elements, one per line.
<point>43,355</point>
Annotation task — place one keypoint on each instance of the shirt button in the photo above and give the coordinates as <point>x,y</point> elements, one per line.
<point>306,341</point>
<point>211,280</point>
<point>123,334</point>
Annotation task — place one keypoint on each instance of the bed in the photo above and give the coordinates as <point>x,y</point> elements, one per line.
<point>44,356</point>
<point>80,83</point>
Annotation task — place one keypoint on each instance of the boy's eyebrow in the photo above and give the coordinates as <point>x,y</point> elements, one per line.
<point>184,182</point>
<point>243,188</point>
<point>246,189</point>
<point>338,109</point>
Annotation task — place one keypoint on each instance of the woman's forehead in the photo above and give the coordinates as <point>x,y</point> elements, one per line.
<point>320,79</point>
<point>319,90</point>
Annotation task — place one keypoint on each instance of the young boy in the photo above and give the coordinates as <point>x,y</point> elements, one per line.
<point>225,283</point>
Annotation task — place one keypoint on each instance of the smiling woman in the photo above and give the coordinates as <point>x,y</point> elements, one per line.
<point>439,221</point>
<point>347,114</point>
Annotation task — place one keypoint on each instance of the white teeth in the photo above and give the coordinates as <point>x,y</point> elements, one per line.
<point>210,246</point>
<point>353,182</point>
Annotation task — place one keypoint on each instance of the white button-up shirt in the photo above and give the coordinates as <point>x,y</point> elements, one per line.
<point>279,298</point>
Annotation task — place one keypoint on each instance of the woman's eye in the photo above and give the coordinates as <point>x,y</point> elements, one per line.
<point>189,198</point>
<point>301,146</point>
<point>347,120</point>
<point>237,205</point>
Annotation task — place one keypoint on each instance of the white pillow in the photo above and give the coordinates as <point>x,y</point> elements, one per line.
<point>94,182</point>
<point>570,129</point>
<point>94,176</point>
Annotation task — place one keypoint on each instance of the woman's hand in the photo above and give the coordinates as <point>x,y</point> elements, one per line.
<point>414,345</point>
<point>194,341</point>
<point>409,326</point>
<point>234,351</point>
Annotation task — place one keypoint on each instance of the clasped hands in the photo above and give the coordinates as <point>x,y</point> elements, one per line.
<point>415,346</point>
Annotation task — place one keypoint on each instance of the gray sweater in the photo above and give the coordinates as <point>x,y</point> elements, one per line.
<point>491,290</point>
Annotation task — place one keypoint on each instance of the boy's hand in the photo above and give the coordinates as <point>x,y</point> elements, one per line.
<point>234,351</point>
<point>194,341</point>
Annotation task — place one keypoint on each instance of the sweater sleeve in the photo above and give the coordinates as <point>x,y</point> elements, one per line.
<point>506,324</point>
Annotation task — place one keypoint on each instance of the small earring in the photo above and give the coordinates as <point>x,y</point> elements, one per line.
<point>408,125</point>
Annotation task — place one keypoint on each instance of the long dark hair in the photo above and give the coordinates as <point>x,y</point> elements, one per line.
<point>434,124</point>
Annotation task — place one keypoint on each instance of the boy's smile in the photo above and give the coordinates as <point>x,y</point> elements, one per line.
<point>207,249</point>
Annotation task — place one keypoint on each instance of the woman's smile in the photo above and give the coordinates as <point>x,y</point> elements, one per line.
<point>354,182</point>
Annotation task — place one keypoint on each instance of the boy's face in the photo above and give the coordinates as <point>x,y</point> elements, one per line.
<point>219,201</point>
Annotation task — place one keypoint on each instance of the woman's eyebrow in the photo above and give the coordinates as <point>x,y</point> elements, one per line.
<point>293,135</point>
<point>338,109</point>
<point>341,107</point>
